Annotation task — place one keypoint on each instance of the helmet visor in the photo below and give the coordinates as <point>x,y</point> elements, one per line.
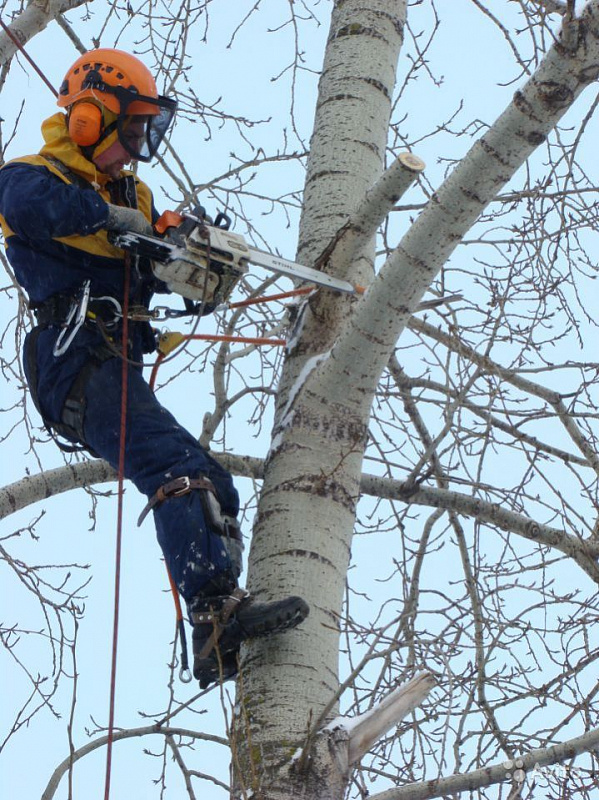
<point>142,122</point>
<point>142,135</point>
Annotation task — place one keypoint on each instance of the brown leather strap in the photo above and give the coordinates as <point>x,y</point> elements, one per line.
<point>175,488</point>
<point>219,620</point>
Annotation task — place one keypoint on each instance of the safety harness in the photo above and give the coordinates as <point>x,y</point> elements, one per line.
<point>70,427</point>
<point>70,311</point>
<point>220,523</point>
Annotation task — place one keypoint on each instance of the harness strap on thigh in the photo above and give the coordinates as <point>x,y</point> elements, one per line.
<point>32,370</point>
<point>73,411</point>
<point>175,488</point>
<point>71,422</point>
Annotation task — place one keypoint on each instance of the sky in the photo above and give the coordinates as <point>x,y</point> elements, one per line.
<point>243,76</point>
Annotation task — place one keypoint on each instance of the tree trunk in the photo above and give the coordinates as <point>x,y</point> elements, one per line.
<point>302,536</point>
<point>303,532</point>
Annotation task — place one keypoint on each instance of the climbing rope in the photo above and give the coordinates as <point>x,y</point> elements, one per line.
<point>119,530</point>
<point>171,340</point>
<point>21,47</point>
<point>272,297</point>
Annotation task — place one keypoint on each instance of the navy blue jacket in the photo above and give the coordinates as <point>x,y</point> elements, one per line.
<point>55,240</point>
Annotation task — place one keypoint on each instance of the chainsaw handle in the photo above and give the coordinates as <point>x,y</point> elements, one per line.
<point>222,221</point>
<point>183,223</point>
<point>168,219</point>
<point>196,217</point>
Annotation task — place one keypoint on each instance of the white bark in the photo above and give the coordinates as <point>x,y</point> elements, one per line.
<point>302,536</point>
<point>302,533</point>
<point>340,255</point>
<point>348,144</point>
<point>366,729</point>
<point>36,17</point>
<point>34,488</point>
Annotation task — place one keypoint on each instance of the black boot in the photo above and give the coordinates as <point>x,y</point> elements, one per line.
<point>221,622</point>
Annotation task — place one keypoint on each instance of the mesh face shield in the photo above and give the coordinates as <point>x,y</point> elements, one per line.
<point>141,135</point>
<point>142,120</point>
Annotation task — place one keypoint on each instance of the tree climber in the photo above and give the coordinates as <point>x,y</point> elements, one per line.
<point>55,210</point>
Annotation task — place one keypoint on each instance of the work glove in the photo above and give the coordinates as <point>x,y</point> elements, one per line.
<point>122,219</point>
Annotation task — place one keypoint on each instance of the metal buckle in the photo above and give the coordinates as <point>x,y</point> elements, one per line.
<point>160,313</point>
<point>232,529</point>
<point>184,489</point>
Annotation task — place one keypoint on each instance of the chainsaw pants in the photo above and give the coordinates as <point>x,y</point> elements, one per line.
<point>157,450</point>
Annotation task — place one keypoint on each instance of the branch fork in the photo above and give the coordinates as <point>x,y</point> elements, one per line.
<point>355,736</point>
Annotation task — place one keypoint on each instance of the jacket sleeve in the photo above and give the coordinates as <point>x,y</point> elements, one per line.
<point>38,205</point>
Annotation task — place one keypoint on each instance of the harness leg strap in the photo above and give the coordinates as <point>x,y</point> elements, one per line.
<point>218,620</point>
<point>175,488</point>
<point>217,635</point>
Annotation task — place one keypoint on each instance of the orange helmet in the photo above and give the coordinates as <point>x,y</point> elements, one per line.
<point>119,82</point>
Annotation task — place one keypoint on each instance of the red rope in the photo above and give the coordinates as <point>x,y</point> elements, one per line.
<point>159,359</point>
<point>119,531</point>
<point>28,57</point>
<point>270,298</point>
<point>217,337</point>
<point>225,337</point>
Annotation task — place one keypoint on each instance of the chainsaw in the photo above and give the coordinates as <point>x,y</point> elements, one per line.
<point>202,260</point>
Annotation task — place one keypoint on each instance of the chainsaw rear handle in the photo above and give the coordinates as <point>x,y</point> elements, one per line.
<point>185,223</point>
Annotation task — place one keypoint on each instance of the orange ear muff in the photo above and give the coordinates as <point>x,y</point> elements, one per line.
<point>85,124</point>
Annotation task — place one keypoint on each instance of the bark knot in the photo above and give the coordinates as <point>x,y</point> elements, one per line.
<point>356,29</point>
<point>555,95</point>
<point>535,138</point>
<point>523,104</point>
<point>589,74</point>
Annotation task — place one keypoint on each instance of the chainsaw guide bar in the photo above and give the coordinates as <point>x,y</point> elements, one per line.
<point>206,264</point>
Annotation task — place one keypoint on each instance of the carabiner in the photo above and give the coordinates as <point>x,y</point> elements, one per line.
<point>76,315</point>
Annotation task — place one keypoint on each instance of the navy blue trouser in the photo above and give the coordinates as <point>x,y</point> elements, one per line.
<point>157,450</point>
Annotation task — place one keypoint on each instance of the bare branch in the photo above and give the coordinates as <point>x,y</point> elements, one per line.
<point>33,19</point>
<point>365,730</point>
<point>118,736</point>
<point>340,255</point>
<point>491,775</point>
